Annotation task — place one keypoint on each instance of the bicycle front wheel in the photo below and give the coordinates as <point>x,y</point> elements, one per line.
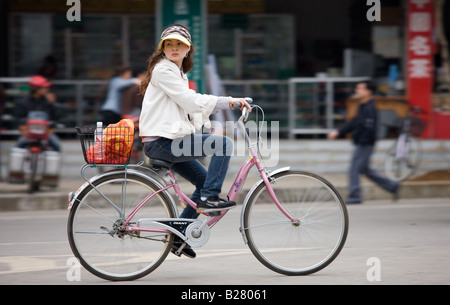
<point>97,238</point>
<point>403,158</point>
<point>307,245</point>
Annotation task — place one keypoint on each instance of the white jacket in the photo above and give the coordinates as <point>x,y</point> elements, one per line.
<point>168,101</point>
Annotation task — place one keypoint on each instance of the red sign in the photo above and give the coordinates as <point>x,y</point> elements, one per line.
<point>420,69</point>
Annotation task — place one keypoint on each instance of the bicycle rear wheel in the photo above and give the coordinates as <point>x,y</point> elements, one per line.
<point>95,234</point>
<point>306,246</point>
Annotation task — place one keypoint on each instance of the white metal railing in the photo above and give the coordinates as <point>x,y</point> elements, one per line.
<point>283,100</point>
<point>325,98</point>
<point>74,113</point>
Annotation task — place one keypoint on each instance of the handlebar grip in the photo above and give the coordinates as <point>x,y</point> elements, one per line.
<point>239,105</point>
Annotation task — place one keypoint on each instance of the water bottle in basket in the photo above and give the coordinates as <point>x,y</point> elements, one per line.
<point>98,135</point>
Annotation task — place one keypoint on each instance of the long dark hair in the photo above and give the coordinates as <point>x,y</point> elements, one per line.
<point>156,57</point>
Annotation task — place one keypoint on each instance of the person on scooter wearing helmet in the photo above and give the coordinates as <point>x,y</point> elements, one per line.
<point>39,99</point>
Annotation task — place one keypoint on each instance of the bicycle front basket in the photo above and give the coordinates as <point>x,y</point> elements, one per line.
<point>417,126</point>
<point>112,146</point>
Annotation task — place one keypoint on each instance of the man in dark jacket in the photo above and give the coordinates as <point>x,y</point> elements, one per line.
<point>363,128</point>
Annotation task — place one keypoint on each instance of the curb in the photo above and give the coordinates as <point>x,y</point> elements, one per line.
<point>57,200</point>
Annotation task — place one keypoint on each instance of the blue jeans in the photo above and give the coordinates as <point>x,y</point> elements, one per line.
<point>360,165</point>
<point>185,152</point>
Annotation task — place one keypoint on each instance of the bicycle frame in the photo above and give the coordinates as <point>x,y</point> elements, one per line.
<point>211,220</point>
<point>253,160</point>
<point>402,148</point>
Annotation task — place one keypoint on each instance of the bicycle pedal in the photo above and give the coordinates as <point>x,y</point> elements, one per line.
<point>216,213</point>
<point>176,252</point>
<point>210,213</point>
<point>179,251</point>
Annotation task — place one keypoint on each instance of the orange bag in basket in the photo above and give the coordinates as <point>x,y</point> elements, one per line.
<point>118,139</point>
<point>96,153</point>
<point>116,145</point>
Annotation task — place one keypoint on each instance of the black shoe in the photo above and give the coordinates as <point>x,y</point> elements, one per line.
<point>396,193</point>
<point>213,204</point>
<point>187,250</point>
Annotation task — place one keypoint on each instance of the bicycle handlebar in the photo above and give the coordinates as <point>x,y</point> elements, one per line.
<point>245,111</point>
<point>247,99</point>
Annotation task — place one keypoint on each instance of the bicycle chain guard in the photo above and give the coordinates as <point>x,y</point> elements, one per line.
<point>196,231</point>
<point>196,237</point>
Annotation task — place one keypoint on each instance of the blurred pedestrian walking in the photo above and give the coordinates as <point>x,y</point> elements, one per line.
<point>363,128</point>
<point>112,108</point>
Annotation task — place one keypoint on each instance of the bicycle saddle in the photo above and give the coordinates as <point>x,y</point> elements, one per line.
<point>160,164</point>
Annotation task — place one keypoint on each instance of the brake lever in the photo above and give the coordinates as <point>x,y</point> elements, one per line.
<point>245,111</point>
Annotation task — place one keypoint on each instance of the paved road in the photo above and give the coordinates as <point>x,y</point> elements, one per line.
<point>388,243</point>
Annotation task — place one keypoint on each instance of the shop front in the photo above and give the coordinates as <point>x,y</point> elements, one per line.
<point>293,56</point>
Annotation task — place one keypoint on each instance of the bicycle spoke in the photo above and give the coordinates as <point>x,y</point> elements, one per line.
<point>90,232</point>
<point>271,223</point>
<point>96,211</point>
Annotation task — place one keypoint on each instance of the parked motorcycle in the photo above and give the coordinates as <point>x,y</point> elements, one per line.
<point>35,164</point>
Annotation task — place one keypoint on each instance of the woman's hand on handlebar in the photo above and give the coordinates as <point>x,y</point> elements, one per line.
<point>239,103</point>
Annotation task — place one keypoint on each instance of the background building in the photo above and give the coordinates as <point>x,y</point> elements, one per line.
<point>258,46</point>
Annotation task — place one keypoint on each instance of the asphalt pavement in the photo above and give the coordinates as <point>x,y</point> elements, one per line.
<point>406,243</point>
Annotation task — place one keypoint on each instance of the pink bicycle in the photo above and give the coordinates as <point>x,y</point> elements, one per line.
<point>122,223</point>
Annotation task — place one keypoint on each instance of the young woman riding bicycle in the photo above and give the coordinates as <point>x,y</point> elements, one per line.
<point>170,115</point>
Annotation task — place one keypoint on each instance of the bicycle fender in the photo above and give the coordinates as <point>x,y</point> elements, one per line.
<point>72,197</point>
<point>250,193</point>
